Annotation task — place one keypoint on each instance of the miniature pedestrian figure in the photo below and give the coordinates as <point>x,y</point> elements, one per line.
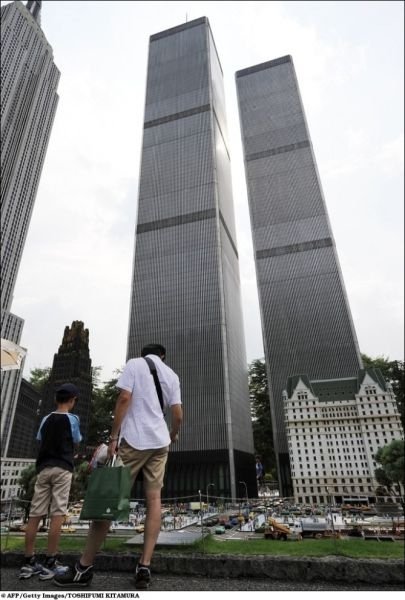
<point>141,436</point>
<point>259,471</point>
<point>58,433</point>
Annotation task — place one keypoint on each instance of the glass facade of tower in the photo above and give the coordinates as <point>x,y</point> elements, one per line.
<point>29,80</point>
<point>23,443</point>
<point>186,289</point>
<point>306,321</point>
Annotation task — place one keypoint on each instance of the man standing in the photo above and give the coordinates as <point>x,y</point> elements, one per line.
<point>140,433</point>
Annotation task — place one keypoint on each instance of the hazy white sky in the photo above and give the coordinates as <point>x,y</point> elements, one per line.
<point>78,257</point>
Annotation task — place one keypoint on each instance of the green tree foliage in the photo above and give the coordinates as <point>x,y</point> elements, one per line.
<point>26,482</point>
<point>393,372</point>
<point>101,415</point>
<point>391,473</point>
<point>39,378</point>
<point>261,417</point>
<point>95,375</point>
<point>102,402</point>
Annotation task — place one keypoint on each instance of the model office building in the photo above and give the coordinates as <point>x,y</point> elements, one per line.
<point>186,288</point>
<point>23,442</point>
<point>71,364</point>
<point>306,321</point>
<point>334,429</point>
<point>29,80</point>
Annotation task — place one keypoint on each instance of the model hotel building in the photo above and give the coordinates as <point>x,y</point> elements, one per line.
<point>334,428</point>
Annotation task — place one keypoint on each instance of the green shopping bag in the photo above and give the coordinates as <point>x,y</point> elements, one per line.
<point>107,495</point>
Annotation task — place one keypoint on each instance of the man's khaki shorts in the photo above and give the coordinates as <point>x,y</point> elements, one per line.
<point>51,488</point>
<point>152,463</point>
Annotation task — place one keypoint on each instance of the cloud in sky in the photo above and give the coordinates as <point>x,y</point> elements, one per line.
<point>78,257</point>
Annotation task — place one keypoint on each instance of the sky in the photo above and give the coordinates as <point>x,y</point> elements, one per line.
<point>77,262</point>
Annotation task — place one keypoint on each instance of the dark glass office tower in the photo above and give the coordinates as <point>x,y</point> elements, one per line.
<point>23,443</point>
<point>306,321</point>
<point>29,80</point>
<point>186,289</point>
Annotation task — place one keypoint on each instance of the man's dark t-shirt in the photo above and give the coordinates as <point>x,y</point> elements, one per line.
<point>58,433</point>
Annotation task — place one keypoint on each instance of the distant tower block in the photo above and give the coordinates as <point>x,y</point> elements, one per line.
<point>306,321</point>
<point>29,80</point>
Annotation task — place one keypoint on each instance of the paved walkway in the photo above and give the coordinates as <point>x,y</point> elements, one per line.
<point>123,582</point>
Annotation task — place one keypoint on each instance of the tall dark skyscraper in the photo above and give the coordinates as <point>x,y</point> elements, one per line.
<point>306,321</point>
<point>71,364</point>
<point>186,288</point>
<point>29,79</point>
<point>23,443</point>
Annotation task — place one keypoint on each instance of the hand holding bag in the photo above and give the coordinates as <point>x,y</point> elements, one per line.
<point>108,493</point>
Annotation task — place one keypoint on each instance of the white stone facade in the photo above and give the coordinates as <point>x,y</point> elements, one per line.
<point>11,469</point>
<point>334,429</point>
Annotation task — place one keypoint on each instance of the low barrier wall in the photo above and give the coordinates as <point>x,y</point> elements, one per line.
<point>285,568</point>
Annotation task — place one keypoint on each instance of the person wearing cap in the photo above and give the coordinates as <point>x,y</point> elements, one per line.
<point>58,433</point>
<point>142,438</point>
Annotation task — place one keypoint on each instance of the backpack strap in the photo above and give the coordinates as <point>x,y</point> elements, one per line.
<point>152,369</point>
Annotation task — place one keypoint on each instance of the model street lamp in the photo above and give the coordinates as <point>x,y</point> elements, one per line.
<point>213,485</point>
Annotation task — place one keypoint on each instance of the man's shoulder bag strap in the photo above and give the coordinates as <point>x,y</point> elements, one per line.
<point>152,369</point>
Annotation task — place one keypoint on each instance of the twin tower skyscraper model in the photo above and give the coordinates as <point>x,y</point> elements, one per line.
<point>185,285</point>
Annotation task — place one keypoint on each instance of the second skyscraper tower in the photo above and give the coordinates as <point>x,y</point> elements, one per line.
<point>186,289</point>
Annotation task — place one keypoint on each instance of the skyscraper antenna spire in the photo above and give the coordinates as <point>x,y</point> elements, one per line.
<point>34,7</point>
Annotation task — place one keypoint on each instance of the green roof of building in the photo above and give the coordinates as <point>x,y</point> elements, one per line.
<point>293,381</point>
<point>336,389</point>
<point>375,375</point>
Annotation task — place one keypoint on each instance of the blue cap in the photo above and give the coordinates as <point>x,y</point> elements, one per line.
<point>69,388</point>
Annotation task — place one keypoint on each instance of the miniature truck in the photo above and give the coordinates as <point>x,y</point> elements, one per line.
<point>280,531</point>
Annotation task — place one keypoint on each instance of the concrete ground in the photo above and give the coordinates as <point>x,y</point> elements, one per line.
<point>119,581</point>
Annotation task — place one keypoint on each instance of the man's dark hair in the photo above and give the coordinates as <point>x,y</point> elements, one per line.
<point>156,349</point>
